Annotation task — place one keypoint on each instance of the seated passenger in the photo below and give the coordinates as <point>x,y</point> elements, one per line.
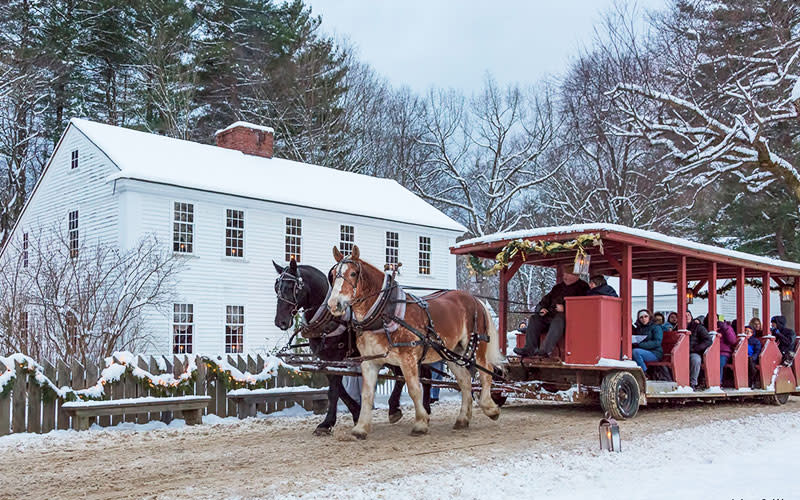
<point>599,286</point>
<point>672,321</point>
<point>549,316</point>
<point>727,344</point>
<point>753,350</point>
<point>658,319</point>
<point>699,341</point>
<point>785,337</point>
<point>755,324</point>
<point>648,349</point>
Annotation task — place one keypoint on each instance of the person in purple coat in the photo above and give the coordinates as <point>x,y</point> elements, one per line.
<point>727,344</point>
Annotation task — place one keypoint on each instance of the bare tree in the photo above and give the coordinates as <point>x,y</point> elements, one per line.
<point>82,303</point>
<point>726,98</point>
<point>483,155</point>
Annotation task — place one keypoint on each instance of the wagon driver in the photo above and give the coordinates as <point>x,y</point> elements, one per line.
<point>549,315</point>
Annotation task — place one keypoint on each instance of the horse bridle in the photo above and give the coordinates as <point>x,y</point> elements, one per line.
<point>339,274</point>
<point>297,287</point>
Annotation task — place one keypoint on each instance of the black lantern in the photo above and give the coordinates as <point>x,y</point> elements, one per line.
<point>609,435</point>
<point>689,296</point>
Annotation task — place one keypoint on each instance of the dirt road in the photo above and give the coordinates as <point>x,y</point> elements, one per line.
<point>263,457</point>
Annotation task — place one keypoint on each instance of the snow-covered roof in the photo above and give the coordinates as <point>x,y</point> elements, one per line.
<point>156,158</point>
<point>253,126</point>
<point>616,228</point>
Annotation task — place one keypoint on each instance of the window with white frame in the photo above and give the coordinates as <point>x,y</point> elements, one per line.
<point>347,238</point>
<point>73,233</point>
<point>74,161</point>
<point>182,328</point>
<point>392,249</point>
<point>234,233</point>
<point>424,255</point>
<point>294,236</point>
<point>234,329</point>
<point>24,249</point>
<point>183,228</point>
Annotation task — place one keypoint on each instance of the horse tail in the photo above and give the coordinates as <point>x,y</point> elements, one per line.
<point>493,355</point>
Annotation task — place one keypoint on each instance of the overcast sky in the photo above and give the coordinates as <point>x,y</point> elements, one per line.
<point>450,43</point>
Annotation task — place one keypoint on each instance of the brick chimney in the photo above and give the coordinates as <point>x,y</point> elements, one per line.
<point>248,138</point>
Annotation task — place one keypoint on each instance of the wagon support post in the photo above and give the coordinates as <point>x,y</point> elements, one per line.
<point>797,304</point>
<point>502,313</point>
<point>682,286</point>
<point>765,301</point>
<point>626,293</point>
<point>740,299</point>
<point>650,294</point>
<point>712,295</point>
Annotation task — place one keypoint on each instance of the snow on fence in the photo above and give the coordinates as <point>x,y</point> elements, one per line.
<point>32,394</point>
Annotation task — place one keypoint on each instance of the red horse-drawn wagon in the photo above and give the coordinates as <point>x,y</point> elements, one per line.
<point>593,362</point>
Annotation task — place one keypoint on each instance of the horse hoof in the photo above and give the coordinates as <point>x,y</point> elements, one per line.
<point>395,417</point>
<point>418,432</point>
<point>359,434</point>
<point>323,431</point>
<point>461,424</point>
<point>494,416</point>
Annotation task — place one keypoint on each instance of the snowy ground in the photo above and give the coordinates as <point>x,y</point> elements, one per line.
<point>534,451</point>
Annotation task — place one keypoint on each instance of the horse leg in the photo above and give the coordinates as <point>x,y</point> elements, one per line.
<point>369,376</point>
<point>465,385</point>
<point>410,373</point>
<point>425,372</point>
<point>489,407</point>
<point>334,386</point>
<point>395,413</point>
<point>352,405</point>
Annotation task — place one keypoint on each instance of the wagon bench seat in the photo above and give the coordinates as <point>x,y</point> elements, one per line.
<point>191,406</point>
<point>247,399</point>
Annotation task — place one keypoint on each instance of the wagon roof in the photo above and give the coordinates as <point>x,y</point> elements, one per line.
<point>654,254</point>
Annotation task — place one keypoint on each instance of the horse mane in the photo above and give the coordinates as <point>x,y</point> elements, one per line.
<point>368,287</point>
<point>317,281</point>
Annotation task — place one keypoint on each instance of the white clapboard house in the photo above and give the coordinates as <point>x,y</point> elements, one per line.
<point>230,210</point>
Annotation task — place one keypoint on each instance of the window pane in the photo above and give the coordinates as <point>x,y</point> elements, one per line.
<point>392,249</point>
<point>234,329</point>
<point>424,255</point>
<point>182,328</point>
<point>293,239</point>
<point>346,239</point>
<point>183,227</point>
<point>73,233</point>
<point>234,233</point>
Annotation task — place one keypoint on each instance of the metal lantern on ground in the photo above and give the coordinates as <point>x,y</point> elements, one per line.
<point>609,435</point>
<point>787,293</point>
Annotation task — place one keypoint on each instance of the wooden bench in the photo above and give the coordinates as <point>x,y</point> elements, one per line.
<point>675,346</point>
<point>247,399</point>
<point>191,406</point>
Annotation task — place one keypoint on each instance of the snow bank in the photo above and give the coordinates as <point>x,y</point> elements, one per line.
<point>275,390</point>
<point>694,463</point>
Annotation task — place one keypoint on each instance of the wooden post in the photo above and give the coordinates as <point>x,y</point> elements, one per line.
<point>262,407</point>
<point>650,295</point>
<point>92,374</point>
<point>740,284</point>
<point>682,287</point>
<point>34,406</point>
<point>48,406</point>
<point>502,310</point>
<point>626,292</point>
<point>712,296</point>
<point>153,364</point>
<point>62,376</point>
<point>231,404</point>
<point>142,390</point>
<point>178,367</point>
<point>5,409</point>
<point>765,279</point>
<point>796,305</point>
<point>18,400</point>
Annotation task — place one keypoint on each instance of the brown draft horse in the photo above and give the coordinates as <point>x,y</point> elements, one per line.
<point>455,316</point>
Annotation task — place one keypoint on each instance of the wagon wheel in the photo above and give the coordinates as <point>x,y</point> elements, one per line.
<point>619,395</point>
<point>777,399</point>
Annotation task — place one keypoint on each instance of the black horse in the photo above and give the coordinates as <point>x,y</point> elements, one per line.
<point>305,288</point>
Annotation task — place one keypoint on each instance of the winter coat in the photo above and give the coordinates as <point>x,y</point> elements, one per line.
<point>728,339</point>
<point>667,327</point>
<point>561,290</point>
<point>606,290</point>
<point>655,335</point>
<point>699,339</point>
<point>785,336</point>
<point>753,348</point>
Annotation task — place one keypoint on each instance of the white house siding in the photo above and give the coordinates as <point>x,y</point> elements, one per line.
<point>62,189</point>
<point>211,281</point>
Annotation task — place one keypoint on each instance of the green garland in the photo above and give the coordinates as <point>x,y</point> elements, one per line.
<point>727,287</point>
<point>526,247</point>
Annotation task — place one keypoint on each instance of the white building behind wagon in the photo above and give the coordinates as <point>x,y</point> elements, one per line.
<point>229,210</point>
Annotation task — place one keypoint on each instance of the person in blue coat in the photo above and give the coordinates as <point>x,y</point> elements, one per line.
<point>599,286</point>
<point>649,348</point>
